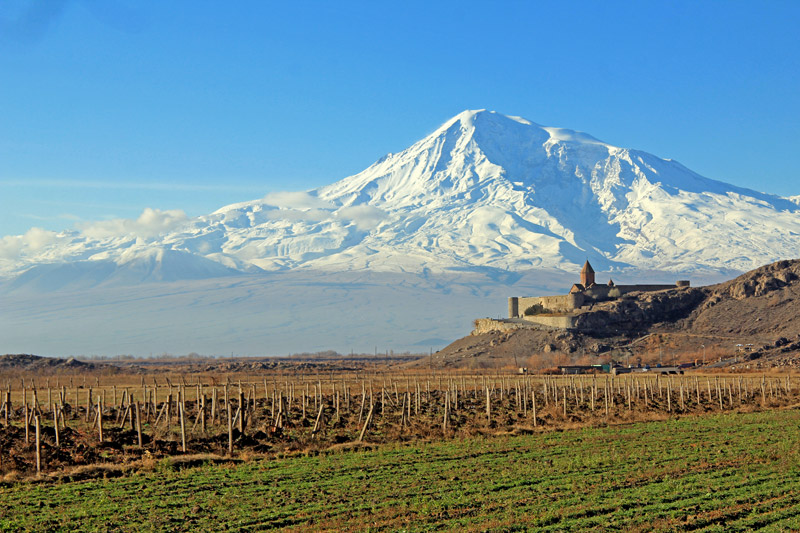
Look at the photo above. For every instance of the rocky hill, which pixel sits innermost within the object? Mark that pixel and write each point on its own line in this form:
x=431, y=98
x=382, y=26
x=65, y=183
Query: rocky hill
x=754, y=320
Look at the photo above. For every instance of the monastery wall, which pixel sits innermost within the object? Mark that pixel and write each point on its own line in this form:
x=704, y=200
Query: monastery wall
x=556, y=304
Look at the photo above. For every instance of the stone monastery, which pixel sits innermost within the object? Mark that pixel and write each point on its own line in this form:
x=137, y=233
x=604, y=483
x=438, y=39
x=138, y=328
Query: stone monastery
x=581, y=297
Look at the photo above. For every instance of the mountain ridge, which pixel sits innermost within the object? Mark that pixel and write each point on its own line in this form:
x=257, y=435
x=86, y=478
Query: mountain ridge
x=483, y=191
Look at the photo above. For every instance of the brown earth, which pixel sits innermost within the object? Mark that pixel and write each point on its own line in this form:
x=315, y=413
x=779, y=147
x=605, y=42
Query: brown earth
x=32, y=366
x=752, y=321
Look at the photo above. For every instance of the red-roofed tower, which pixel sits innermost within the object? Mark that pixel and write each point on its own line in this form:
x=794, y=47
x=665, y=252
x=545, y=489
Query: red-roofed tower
x=587, y=275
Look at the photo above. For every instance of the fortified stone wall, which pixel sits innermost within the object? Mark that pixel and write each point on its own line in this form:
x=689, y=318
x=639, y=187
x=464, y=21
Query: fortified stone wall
x=646, y=288
x=563, y=322
x=570, y=302
x=488, y=325
x=557, y=304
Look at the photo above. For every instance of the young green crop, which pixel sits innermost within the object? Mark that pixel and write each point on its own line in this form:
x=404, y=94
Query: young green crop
x=731, y=472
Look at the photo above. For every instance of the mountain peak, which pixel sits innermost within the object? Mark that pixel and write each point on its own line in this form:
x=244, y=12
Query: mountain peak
x=471, y=118
x=506, y=139
x=484, y=191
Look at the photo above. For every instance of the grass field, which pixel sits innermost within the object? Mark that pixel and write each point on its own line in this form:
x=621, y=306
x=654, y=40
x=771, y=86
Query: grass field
x=737, y=471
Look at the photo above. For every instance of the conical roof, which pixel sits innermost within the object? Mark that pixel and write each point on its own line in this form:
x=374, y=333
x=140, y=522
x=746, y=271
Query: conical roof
x=587, y=268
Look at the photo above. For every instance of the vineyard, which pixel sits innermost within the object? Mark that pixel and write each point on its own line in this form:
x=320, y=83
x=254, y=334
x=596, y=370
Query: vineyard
x=61, y=426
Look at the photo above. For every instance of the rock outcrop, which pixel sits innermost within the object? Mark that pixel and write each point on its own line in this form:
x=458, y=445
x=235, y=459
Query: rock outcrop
x=753, y=319
x=637, y=311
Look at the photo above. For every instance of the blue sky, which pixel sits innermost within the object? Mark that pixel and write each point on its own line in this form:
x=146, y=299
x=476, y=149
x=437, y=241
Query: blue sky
x=108, y=107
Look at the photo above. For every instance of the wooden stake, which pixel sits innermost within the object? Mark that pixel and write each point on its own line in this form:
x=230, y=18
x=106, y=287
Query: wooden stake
x=138, y=424
x=230, y=428
x=203, y=414
x=446, y=413
x=669, y=398
x=169, y=410
x=366, y=423
x=8, y=406
x=55, y=426
x=213, y=405
x=125, y=415
x=241, y=412
x=100, y=421
x=319, y=421
x=38, y=444
x=183, y=425
x=488, y=407
x=628, y=392
x=160, y=414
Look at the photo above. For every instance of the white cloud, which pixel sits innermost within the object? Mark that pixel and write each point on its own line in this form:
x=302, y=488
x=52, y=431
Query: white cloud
x=150, y=223
x=365, y=217
x=305, y=207
x=10, y=246
x=37, y=238
x=296, y=200
x=34, y=240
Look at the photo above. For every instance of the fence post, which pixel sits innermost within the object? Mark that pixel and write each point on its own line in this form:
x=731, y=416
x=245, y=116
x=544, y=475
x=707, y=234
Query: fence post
x=138, y=424
x=25, y=421
x=181, y=412
x=230, y=427
x=100, y=421
x=446, y=412
x=366, y=422
x=488, y=407
x=38, y=443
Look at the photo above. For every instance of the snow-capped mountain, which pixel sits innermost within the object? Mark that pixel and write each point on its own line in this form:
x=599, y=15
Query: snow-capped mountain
x=485, y=207
x=483, y=191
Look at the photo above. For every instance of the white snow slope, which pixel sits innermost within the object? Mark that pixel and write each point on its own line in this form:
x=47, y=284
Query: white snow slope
x=402, y=255
x=483, y=190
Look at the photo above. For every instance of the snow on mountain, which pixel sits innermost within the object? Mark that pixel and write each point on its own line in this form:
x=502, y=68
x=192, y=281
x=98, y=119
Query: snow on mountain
x=484, y=192
x=485, y=207
x=500, y=191
x=133, y=266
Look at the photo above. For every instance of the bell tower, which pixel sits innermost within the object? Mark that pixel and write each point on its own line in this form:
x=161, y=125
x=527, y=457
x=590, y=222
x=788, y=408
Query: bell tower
x=587, y=275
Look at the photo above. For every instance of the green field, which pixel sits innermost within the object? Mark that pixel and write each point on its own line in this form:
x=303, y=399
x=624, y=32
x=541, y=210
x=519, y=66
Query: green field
x=723, y=472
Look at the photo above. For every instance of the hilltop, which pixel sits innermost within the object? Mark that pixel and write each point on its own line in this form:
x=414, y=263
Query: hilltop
x=756, y=315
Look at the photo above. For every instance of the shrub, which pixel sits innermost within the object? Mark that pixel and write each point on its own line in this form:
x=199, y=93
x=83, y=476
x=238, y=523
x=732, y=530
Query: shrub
x=537, y=309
